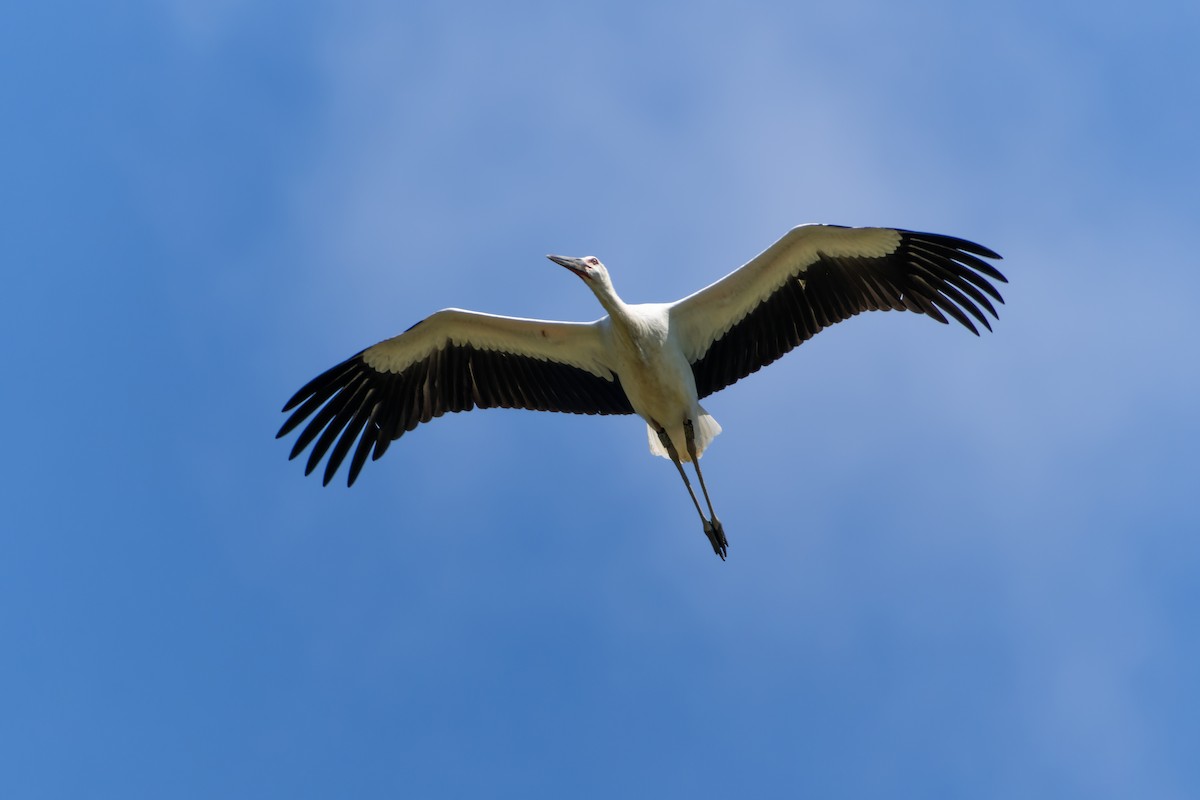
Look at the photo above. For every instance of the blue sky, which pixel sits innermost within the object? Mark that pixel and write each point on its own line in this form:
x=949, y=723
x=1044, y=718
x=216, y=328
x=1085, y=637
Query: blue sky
x=958, y=566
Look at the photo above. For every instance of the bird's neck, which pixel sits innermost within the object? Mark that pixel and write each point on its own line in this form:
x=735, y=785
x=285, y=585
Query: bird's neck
x=611, y=301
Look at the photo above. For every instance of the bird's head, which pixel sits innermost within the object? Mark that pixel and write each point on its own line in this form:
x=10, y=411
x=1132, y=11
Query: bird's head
x=588, y=268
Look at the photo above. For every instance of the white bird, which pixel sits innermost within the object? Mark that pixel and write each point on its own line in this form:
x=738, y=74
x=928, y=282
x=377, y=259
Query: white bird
x=656, y=360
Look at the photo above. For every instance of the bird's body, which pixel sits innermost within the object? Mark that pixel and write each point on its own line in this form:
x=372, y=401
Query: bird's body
x=655, y=374
x=653, y=359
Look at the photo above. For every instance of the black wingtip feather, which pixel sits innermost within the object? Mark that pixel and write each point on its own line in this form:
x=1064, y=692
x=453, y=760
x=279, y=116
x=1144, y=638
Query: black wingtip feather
x=329, y=377
x=953, y=243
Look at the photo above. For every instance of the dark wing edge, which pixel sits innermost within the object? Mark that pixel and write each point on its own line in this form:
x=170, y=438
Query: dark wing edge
x=927, y=273
x=355, y=406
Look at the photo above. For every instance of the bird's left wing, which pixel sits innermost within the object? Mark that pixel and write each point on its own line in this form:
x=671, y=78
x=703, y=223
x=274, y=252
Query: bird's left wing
x=451, y=361
x=818, y=275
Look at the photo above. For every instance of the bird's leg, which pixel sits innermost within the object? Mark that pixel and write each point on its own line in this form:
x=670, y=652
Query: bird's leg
x=717, y=533
x=718, y=542
x=674, y=454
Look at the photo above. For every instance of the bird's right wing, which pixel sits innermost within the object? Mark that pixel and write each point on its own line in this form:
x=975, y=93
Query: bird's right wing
x=451, y=361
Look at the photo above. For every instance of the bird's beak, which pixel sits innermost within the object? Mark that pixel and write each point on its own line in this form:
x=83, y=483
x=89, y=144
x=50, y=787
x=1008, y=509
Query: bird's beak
x=573, y=264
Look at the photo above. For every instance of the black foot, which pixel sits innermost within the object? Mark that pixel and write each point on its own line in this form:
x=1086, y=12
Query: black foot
x=716, y=537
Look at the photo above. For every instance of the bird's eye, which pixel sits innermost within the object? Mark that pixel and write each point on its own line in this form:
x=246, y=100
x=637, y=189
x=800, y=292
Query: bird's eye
x=594, y=261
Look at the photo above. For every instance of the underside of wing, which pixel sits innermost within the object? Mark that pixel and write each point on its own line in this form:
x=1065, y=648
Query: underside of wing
x=819, y=275
x=452, y=361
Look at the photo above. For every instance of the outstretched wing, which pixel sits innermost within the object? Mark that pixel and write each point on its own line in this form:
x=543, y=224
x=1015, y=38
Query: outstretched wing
x=451, y=361
x=818, y=275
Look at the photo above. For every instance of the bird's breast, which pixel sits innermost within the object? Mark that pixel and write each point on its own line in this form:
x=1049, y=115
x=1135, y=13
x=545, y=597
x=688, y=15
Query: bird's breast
x=654, y=372
x=658, y=381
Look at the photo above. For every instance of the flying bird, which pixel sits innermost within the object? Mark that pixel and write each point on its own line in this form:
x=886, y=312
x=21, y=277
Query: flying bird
x=656, y=360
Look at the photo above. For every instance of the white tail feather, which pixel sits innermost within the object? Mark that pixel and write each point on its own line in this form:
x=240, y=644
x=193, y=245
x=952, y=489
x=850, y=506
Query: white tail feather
x=706, y=429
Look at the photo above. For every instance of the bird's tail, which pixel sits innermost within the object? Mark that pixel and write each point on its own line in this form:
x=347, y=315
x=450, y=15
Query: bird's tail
x=706, y=429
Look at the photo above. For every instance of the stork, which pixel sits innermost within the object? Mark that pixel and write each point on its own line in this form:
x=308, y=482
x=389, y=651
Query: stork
x=656, y=360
